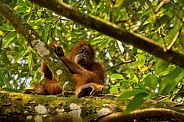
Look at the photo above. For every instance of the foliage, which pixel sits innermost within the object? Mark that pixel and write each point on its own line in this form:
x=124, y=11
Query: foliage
x=144, y=77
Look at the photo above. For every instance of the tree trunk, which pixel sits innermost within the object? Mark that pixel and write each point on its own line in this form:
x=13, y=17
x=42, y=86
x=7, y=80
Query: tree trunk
x=57, y=67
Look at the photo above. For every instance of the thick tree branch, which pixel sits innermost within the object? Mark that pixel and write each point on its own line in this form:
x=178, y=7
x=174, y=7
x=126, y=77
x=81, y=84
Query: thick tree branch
x=112, y=30
x=26, y=108
x=25, y=30
x=140, y=115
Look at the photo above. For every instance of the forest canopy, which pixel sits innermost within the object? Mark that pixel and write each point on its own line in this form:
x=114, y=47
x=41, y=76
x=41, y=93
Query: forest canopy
x=148, y=28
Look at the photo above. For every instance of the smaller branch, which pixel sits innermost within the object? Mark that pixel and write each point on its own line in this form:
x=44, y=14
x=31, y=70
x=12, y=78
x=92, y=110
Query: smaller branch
x=175, y=37
x=120, y=21
x=125, y=62
x=173, y=41
x=79, y=4
x=161, y=4
x=163, y=98
x=177, y=92
x=39, y=11
x=53, y=24
x=181, y=19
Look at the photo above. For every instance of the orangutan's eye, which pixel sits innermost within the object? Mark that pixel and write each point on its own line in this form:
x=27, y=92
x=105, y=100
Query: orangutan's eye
x=81, y=50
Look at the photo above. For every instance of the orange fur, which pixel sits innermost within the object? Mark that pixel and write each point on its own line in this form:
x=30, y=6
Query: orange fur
x=91, y=73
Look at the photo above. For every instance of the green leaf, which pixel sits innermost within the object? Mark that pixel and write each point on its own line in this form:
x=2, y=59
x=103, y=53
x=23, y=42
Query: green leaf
x=54, y=32
x=136, y=102
x=114, y=88
x=21, y=54
x=129, y=94
x=116, y=76
x=28, y=10
x=166, y=17
x=151, y=81
x=96, y=40
x=7, y=27
x=38, y=76
x=1, y=78
x=141, y=57
x=30, y=60
x=111, y=50
x=45, y=32
x=124, y=3
x=176, y=28
x=161, y=66
x=137, y=63
x=20, y=9
x=142, y=86
x=104, y=44
x=129, y=72
x=171, y=80
x=21, y=3
x=37, y=23
x=1, y=43
x=9, y=37
x=146, y=12
x=5, y=59
x=94, y=2
x=135, y=79
x=27, y=16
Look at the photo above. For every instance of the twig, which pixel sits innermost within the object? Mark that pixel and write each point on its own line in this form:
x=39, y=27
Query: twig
x=173, y=41
x=161, y=4
x=125, y=62
x=175, y=37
